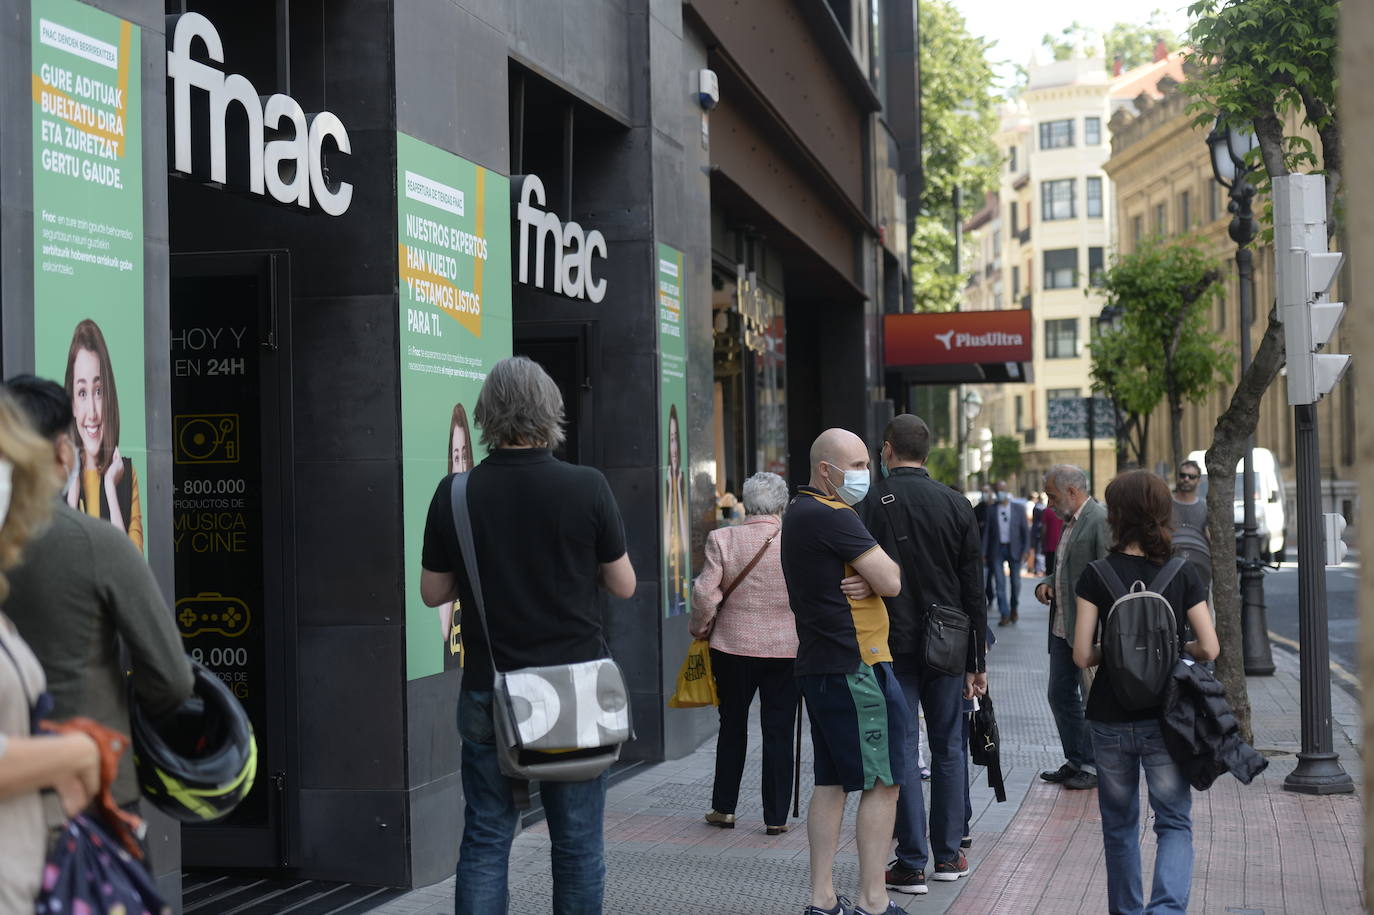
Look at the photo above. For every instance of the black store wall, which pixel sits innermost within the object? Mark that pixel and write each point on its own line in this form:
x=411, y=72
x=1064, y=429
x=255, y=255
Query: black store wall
x=344, y=549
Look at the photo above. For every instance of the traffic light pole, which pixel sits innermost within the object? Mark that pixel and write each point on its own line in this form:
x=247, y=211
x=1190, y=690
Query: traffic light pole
x=1319, y=768
x=1306, y=271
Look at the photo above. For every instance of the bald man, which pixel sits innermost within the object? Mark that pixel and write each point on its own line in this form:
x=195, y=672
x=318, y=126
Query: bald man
x=844, y=669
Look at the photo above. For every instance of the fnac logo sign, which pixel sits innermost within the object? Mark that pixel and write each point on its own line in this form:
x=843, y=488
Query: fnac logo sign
x=290, y=168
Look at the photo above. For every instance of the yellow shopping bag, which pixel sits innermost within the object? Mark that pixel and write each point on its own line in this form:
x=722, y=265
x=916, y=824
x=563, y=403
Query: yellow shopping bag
x=696, y=687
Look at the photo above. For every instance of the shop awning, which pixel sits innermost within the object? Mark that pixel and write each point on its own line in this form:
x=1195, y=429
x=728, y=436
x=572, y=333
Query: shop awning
x=959, y=346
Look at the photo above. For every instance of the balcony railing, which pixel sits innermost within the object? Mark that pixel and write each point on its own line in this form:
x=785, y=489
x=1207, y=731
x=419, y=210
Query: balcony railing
x=1023, y=237
x=1030, y=435
x=1026, y=302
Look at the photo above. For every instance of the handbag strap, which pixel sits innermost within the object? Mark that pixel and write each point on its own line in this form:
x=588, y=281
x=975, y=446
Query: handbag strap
x=462, y=523
x=749, y=568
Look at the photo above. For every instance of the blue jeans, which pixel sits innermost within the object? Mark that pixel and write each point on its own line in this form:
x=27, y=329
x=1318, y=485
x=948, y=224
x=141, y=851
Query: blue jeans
x=1066, y=697
x=574, y=811
x=1000, y=575
x=1122, y=749
x=940, y=697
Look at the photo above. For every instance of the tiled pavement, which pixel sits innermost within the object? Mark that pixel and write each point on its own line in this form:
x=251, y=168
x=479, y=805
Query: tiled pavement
x=1260, y=850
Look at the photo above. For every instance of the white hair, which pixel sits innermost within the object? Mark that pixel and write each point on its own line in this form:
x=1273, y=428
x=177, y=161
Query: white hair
x=765, y=494
x=1063, y=476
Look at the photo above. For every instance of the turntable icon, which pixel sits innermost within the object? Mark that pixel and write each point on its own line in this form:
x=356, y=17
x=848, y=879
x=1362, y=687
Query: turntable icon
x=207, y=438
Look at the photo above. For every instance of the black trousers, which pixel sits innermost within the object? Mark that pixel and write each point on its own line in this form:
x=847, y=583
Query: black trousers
x=737, y=679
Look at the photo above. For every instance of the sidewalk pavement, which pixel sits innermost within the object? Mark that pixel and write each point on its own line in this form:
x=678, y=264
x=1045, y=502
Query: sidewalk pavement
x=1258, y=850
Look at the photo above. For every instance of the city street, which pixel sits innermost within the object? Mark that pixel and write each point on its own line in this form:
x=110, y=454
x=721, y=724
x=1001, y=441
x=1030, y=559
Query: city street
x=1281, y=604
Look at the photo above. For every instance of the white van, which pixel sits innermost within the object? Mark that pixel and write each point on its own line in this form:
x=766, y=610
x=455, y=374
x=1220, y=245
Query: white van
x=1269, y=502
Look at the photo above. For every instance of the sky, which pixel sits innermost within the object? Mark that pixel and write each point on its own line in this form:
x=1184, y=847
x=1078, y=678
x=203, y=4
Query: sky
x=1018, y=25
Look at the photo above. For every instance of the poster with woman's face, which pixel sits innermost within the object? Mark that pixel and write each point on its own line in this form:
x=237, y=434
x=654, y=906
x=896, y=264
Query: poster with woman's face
x=107, y=482
x=459, y=461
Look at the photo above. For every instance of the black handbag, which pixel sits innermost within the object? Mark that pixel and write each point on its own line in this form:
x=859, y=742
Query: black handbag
x=946, y=636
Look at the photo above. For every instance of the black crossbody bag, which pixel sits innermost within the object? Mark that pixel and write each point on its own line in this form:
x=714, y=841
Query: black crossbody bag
x=946, y=631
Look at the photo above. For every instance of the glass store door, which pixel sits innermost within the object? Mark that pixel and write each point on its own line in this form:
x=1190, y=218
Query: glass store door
x=229, y=382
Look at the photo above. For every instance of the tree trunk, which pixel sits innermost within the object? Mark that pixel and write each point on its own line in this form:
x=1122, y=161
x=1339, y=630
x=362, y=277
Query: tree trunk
x=1234, y=428
x=1176, y=428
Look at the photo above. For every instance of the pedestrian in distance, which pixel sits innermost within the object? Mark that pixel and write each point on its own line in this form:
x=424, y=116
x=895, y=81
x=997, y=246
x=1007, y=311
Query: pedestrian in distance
x=1125, y=738
x=1191, y=538
x=1004, y=548
x=1037, y=533
x=844, y=669
x=548, y=539
x=83, y=591
x=1084, y=540
x=739, y=602
x=66, y=765
x=932, y=533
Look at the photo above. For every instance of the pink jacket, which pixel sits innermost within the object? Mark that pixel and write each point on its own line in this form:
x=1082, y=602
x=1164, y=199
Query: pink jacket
x=757, y=620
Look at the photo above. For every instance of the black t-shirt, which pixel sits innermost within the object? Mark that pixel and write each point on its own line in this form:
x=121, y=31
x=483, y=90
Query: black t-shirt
x=1184, y=592
x=541, y=529
x=820, y=538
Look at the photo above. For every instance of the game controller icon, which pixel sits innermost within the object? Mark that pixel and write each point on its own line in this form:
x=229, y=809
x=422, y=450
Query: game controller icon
x=213, y=613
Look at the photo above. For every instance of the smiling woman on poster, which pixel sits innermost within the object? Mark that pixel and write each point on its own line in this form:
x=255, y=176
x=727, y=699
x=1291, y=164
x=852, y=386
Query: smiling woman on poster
x=675, y=536
x=108, y=486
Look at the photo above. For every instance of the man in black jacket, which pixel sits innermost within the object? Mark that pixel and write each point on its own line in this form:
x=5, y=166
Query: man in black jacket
x=931, y=531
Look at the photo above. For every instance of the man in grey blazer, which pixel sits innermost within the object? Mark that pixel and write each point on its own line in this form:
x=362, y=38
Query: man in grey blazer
x=1084, y=540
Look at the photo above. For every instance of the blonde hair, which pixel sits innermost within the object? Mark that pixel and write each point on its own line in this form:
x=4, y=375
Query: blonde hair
x=33, y=486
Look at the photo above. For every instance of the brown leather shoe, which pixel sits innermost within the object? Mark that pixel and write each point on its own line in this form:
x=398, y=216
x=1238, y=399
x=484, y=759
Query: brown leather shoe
x=776, y=830
x=723, y=820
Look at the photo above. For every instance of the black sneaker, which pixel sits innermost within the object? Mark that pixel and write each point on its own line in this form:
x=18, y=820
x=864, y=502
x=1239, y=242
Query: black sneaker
x=1080, y=781
x=966, y=842
x=904, y=879
x=1062, y=774
x=892, y=909
x=950, y=871
x=842, y=907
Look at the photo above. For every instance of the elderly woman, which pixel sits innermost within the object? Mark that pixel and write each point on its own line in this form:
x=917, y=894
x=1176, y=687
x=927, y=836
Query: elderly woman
x=740, y=601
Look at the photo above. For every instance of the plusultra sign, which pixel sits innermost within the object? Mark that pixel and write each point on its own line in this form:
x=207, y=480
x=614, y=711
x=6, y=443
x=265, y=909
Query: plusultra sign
x=290, y=168
x=573, y=249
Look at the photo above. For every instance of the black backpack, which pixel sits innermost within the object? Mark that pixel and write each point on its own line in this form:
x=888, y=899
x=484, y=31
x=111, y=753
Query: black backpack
x=1139, y=636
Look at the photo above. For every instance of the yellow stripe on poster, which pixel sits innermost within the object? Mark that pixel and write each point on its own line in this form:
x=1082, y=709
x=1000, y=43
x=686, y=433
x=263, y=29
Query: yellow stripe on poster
x=434, y=289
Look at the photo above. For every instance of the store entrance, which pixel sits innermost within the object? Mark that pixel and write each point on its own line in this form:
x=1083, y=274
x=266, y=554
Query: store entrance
x=566, y=352
x=230, y=505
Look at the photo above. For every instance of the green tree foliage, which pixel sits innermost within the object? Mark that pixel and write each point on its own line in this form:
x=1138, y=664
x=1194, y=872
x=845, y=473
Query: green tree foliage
x=943, y=464
x=1006, y=457
x=1162, y=349
x=1134, y=393
x=1132, y=42
x=958, y=120
x=1260, y=62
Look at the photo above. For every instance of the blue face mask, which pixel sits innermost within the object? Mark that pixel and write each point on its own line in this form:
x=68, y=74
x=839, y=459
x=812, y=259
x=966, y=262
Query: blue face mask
x=854, y=487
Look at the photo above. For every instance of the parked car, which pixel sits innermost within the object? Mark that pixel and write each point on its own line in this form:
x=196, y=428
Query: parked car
x=1270, y=517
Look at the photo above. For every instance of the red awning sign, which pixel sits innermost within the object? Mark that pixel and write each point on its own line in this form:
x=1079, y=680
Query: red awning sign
x=959, y=337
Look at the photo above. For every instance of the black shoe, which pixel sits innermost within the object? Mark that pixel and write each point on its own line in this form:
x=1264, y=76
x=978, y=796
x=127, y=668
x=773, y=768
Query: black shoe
x=966, y=842
x=1060, y=775
x=1080, y=781
x=906, y=880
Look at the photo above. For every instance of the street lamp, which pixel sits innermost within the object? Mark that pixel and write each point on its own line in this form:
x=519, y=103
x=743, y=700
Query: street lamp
x=969, y=406
x=1109, y=322
x=1229, y=146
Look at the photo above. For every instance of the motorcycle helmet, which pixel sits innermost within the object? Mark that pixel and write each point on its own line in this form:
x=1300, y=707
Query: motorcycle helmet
x=197, y=763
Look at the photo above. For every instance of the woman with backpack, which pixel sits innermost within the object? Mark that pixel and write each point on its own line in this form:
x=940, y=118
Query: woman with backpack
x=1125, y=727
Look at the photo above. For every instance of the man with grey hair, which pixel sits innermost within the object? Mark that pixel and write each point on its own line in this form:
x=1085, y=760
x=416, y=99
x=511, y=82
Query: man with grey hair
x=1085, y=539
x=548, y=538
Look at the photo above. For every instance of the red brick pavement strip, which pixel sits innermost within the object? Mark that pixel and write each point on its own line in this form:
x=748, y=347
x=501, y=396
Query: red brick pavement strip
x=1256, y=847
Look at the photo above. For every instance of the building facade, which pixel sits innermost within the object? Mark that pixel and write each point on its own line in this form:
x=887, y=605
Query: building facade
x=1165, y=187
x=307, y=229
x=1055, y=227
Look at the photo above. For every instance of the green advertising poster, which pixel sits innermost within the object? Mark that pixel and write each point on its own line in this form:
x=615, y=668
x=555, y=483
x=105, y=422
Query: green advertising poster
x=672, y=406
x=88, y=245
x=455, y=323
